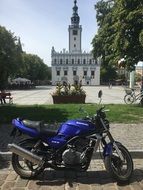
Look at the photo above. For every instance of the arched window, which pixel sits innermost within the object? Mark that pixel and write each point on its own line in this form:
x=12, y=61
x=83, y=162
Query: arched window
x=84, y=61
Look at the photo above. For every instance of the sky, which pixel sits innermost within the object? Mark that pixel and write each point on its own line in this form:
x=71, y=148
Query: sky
x=41, y=24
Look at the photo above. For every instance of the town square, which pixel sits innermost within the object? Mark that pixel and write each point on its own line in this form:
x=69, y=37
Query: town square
x=71, y=95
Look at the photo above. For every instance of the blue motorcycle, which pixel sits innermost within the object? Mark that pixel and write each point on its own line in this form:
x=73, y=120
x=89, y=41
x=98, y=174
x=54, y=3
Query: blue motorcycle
x=70, y=146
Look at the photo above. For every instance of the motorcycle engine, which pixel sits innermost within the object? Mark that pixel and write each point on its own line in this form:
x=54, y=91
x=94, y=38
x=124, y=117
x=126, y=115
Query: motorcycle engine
x=75, y=153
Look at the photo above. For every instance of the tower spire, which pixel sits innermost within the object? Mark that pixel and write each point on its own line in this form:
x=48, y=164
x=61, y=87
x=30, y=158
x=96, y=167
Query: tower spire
x=75, y=18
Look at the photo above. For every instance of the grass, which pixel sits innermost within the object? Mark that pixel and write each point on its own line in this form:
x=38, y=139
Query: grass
x=59, y=113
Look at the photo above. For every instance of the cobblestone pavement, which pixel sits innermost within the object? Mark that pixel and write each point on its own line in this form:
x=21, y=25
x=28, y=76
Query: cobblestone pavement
x=96, y=178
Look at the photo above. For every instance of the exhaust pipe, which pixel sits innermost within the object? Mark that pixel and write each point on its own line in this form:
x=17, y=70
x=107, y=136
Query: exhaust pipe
x=25, y=154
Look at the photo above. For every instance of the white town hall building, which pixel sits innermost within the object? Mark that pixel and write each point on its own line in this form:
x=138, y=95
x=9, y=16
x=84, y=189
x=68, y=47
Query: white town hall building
x=74, y=66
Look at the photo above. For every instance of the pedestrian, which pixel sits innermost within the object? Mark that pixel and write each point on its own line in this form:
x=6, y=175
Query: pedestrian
x=110, y=84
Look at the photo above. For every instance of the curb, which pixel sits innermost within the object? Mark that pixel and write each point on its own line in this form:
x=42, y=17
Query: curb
x=136, y=154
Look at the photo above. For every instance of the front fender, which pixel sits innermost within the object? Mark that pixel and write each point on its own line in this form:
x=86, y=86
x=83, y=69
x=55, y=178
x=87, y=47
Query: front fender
x=108, y=149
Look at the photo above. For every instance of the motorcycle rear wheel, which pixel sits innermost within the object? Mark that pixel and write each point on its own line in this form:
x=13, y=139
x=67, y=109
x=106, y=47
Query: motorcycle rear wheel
x=23, y=167
x=118, y=169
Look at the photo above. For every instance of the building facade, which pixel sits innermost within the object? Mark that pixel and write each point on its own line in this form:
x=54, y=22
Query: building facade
x=75, y=66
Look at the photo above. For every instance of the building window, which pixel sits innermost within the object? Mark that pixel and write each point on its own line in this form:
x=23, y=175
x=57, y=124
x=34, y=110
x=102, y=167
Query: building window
x=72, y=61
x=92, y=74
x=55, y=61
x=90, y=61
x=84, y=61
x=74, y=45
x=65, y=73
x=74, y=73
x=58, y=73
x=74, y=38
x=61, y=61
x=78, y=61
x=66, y=61
x=74, y=32
x=85, y=73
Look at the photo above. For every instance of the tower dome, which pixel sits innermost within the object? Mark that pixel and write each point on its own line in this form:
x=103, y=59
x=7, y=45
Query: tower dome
x=75, y=17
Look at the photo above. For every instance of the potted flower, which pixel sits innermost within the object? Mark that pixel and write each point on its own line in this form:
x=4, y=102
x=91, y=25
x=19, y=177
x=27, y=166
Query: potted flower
x=67, y=93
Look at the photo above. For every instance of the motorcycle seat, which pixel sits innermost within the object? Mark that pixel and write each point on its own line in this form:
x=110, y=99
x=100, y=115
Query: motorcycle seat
x=42, y=128
x=48, y=130
x=32, y=124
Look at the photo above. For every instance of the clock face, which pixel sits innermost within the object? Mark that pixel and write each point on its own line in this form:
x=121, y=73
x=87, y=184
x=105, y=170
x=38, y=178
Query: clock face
x=74, y=32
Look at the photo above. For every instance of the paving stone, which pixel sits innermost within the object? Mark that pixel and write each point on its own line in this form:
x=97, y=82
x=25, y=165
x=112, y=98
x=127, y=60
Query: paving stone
x=32, y=185
x=45, y=188
x=21, y=182
x=136, y=186
x=1, y=182
x=60, y=187
x=8, y=185
x=18, y=188
x=12, y=176
x=3, y=176
x=109, y=186
x=83, y=187
x=96, y=187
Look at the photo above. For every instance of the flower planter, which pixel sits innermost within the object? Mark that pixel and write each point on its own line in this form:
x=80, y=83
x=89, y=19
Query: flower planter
x=69, y=99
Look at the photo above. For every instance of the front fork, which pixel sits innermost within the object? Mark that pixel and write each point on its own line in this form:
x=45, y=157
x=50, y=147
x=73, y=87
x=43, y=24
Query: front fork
x=108, y=148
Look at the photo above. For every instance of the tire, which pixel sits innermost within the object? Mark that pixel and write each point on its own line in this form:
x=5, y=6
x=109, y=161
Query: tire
x=115, y=166
x=23, y=167
x=128, y=99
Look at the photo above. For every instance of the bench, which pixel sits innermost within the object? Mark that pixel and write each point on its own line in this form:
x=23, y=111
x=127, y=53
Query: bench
x=6, y=95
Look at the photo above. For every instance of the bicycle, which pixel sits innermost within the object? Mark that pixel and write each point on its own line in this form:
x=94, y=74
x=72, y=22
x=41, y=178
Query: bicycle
x=131, y=97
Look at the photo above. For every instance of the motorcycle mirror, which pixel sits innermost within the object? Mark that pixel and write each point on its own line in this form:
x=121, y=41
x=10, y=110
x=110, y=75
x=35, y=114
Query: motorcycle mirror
x=100, y=94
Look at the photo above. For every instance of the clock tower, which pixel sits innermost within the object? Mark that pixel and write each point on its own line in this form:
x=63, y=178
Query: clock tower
x=75, y=31
x=75, y=65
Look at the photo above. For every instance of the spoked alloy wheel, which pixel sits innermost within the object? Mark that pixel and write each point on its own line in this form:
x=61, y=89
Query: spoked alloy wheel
x=128, y=99
x=23, y=167
x=120, y=170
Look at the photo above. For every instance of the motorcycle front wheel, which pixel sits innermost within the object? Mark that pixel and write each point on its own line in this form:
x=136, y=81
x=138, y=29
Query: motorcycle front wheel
x=23, y=167
x=119, y=169
x=129, y=99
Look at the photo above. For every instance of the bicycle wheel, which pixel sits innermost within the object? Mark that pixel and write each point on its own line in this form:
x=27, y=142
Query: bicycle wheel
x=129, y=99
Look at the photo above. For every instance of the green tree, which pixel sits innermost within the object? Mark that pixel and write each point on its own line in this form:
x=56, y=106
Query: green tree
x=120, y=33
x=34, y=68
x=103, y=40
x=128, y=31
x=9, y=54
